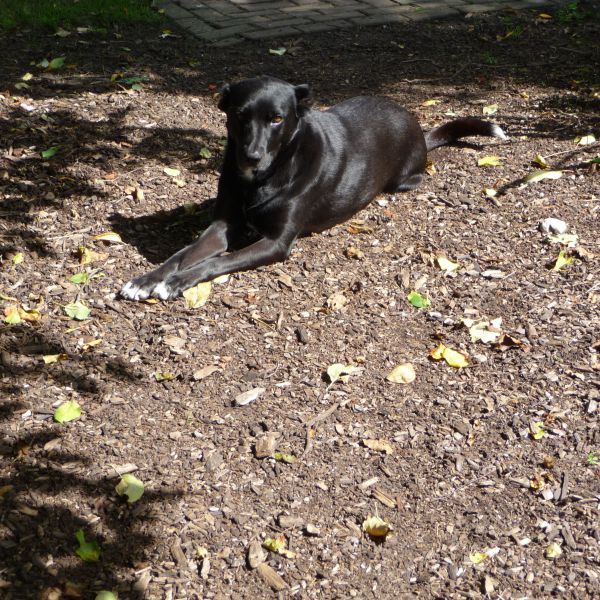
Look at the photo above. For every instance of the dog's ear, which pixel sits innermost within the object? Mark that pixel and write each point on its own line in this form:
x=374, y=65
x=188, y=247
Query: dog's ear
x=224, y=99
x=303, y=99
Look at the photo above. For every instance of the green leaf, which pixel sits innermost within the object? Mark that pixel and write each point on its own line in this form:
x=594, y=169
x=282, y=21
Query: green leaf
x=80, y=278
x=131, y=487
x=137, y=87
x=286, y=458
x=592, y=458
x=21, y=86
x=87, y=551
x=278, y=51
x=133, y=79
x=27, y=77
x=596, y=160
x=67, y=411
x=77, y=310
x=43, y=63
x=104, y=595
x=417, y=300
x=164, y=376
x=205, y=153
x=56, y=63
x=18, y=258
x=536, y=176
x=171, y=172
x=585, y=140
x=50, y=152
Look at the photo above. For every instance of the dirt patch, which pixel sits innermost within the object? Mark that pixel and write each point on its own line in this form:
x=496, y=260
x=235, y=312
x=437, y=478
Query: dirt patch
x=464, y=475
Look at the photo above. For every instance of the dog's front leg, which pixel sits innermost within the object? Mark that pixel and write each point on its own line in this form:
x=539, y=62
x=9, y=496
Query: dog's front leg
x=263, y=252
x=212, y=242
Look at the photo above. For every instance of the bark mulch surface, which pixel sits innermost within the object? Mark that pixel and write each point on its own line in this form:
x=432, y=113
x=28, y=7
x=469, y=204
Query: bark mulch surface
x=484, y=472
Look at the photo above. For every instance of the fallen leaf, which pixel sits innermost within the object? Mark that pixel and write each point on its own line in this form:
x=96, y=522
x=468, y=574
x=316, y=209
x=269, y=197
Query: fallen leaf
x=553, y=551
x=489, y=161
x=431, y=102
x=585, y=140
x=452, y=357
x=278, y=545
x=278, y=51
x=376, y=528
x=205, y=153
x=87, y=256
x=569, y=240
x=336, y=301
x=105, y=595
x=477, y=557
x=198, y=295
x=536, y=176
x=27, y=77
x=87, y=551
x=11, y=315
x=379, y=446
x=353, y=252
x=18, y=258
x=484, y=331
x=172, y=172
x=77, y=310
x=562, y=261
x=79, y=278
x=131, y=487
x=340, y=371
x=108, y=236
x=56, y=63
x=50, y=359
x=50, y=152
x=403, y=373
x=67, y=411
x=164, y=376
x=283, y=457
x=417, y=300
x=490, y=109
x=545, y=16
x=537, y=430
x=430, y=168
x=541, y=161
x=445, y=264
x=493, y=274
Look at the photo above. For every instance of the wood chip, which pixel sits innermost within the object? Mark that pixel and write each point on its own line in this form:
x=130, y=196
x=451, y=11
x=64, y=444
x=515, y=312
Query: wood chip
x=205, y=569
x=271, y=578
x=312, y=530
x=265, y=445
x=290, y=522
x=256, y=554
x=204, y=372
x=248, y=397
x=383, y=498
x=178, y=555
x=367, y=483
x=124, y=469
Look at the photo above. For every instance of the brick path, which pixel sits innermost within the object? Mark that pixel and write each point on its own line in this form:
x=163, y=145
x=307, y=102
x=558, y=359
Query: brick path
x=225, y=22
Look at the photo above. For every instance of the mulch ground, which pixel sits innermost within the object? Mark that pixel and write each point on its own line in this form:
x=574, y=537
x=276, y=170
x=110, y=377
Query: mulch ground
x=476, y=503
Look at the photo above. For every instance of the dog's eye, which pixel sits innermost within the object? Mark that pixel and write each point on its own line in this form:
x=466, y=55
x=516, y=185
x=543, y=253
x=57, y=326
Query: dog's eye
x=276, y=120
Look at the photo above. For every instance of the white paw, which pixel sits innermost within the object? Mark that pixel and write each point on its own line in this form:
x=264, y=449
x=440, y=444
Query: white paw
x=162, y=291
x=131, y=291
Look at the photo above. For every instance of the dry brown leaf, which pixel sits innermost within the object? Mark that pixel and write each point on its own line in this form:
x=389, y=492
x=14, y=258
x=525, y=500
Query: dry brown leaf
x=379, y=445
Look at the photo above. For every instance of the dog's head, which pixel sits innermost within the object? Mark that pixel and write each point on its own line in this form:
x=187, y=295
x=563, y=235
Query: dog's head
x=262, y=116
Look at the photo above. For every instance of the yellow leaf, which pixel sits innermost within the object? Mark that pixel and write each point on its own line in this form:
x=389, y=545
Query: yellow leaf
x=340, y=371
x=432, y=102
x=562, y=261
x=537, y=430
x=430, y=168
x=379, y=446
x=221, y=279
x=477, y=557
x=278, y=546
x=445, y=264
x=91, y=344
x=541, y=161
x=490, y=109
x=18, y=258
x=53, y=358
x=198, y=295
x=108, y=236
x=87, y=256
x=11, y=315
x=336, y=301
x=452, y=357
x=171, y=172
x=403, y=373
x=27, y=77
x=31, y=315
x=164, y=376
x=545, y=16
x=489, y=161
x=553, y=550
x=376, y=527
x=536, y=176
x=490, y=192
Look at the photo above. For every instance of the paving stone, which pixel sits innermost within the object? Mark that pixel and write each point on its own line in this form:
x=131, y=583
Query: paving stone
x=228, y=22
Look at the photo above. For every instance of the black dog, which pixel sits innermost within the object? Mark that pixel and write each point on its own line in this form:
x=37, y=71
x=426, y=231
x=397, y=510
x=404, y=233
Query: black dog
x=290, y=171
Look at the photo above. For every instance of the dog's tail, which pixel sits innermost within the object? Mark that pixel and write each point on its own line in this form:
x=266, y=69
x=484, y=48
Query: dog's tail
x=460, y=128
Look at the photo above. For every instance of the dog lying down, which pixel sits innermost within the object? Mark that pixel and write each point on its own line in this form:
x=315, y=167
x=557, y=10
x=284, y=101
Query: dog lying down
x=290, y=171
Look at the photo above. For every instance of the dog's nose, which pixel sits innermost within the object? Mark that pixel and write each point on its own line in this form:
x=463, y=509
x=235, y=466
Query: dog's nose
x=253, y=156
